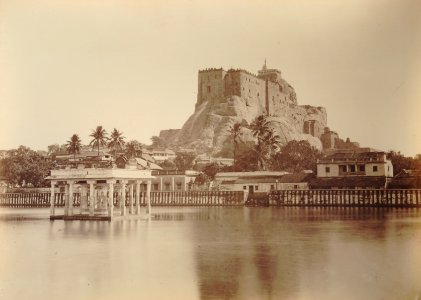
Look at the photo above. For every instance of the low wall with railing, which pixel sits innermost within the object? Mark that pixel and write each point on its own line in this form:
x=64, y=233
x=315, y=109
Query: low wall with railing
x=366, y=198
x=186, y=198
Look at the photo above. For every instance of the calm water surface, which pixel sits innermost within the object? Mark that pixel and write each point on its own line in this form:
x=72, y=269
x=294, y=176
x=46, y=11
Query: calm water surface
x=214, y=253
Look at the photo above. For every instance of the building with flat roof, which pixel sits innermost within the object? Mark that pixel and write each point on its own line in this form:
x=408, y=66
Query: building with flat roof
x=353, y=169
x=97, y=187
x=262, y=181
x=173, y=180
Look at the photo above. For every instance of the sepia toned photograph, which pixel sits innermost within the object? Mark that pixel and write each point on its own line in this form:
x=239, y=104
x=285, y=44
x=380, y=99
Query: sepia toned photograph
x=198, y=149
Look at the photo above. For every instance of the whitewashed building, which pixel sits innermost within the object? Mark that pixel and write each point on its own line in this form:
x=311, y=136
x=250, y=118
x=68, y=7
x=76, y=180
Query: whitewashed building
x=162, y=155
x=353, y=169
x=173, y=180
x=262, y=181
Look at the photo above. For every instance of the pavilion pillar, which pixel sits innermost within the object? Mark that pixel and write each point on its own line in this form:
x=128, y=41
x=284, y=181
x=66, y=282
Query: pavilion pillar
x=138, y=197
x=111, y=197
x=66, y=199
x=70, y=197
x=91, y=197
x=83, y=199
x=148, y=196
x=52, y=198
x=131, y=199
x=123, y=197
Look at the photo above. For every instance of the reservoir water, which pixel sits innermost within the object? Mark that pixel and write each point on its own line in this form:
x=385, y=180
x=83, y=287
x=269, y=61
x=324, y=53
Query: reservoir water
x=214, y=253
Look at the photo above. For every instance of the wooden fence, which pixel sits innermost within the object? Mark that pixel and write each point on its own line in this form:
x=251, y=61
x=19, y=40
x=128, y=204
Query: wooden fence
x=363, y=198
x=187, y=198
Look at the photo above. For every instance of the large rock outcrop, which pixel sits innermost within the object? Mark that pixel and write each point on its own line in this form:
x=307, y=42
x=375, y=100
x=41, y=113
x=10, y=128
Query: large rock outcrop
x=226, y=97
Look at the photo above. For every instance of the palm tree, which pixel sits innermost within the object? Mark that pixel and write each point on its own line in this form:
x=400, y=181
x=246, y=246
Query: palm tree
x=235, y=131
x=116, y=141
x=272, y=141
x=260, y=127
x=73, y=145
x=267, y=140
x=133, y=148
x=99, y=138
x=270, y=144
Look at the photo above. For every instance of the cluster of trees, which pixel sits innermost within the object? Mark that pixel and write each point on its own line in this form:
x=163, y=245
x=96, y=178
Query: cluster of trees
x=25, y=167
x=115, y=143
x=267, y=153
x=401, y=162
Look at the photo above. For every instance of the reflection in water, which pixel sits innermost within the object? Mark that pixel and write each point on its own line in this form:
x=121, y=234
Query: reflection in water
x=214, y=253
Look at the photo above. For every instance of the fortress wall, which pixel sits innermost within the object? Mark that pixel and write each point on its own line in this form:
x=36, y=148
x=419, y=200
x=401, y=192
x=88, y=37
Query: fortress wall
x=232, y=83
x=277, y=98
x=253, y=89
x=210, y=85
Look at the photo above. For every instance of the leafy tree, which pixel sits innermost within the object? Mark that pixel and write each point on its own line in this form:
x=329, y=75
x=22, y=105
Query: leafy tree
x=211, y=170
x=133, y=149
x=167, y=165
x=246, y=158
x=99, y=138
x=184, y=160
x=116, y=141
x=417, y=159
x=24, y=166
x=157, y=142
x=400, y=162
x=201, y=179
x=296, y=156
x=54, y=149
x=235, y=132
x=74, y=144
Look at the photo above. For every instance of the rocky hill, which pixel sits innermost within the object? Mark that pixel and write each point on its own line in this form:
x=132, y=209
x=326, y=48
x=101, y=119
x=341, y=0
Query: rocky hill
x=226, y=97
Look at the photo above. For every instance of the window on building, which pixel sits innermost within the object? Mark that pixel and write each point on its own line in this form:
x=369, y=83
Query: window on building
x=256, y=187
x=155, y=186
x=342, y=168
x=375, y=168
x=361, y=168
x=178, y=186
x=295, y=186
x=351, y=168
x=272, y=187
x=327, y=169
x=209, y=88
x=244, y=187
x=167, y=187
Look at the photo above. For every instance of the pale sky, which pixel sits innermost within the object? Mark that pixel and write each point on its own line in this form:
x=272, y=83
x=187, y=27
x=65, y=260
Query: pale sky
x=68, y=66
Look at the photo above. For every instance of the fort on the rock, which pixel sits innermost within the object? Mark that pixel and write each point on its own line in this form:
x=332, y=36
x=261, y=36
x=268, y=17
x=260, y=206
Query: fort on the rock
x=236, y=95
